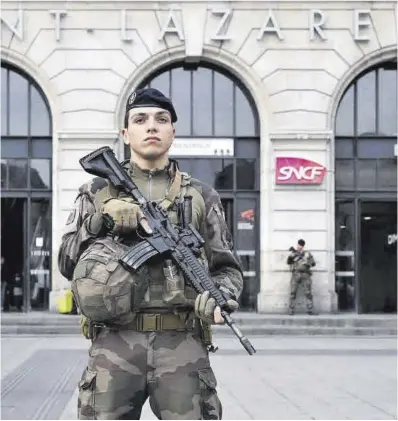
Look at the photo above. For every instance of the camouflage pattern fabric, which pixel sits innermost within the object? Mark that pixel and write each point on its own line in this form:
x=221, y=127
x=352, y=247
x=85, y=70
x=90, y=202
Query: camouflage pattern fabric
x=172, y=368
x=296, y=279
x=103, y=289
x=127, y=367
x=208, y=219
x=301, y=264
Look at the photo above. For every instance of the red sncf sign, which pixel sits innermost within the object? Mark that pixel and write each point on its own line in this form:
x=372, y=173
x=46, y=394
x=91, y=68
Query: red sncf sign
x=290, y=170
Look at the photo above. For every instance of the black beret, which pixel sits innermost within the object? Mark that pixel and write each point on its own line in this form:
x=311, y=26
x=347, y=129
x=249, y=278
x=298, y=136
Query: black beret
x=150, y=97
x=301, y=242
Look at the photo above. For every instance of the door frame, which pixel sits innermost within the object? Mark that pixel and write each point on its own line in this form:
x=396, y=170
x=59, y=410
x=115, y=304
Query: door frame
x=27, y=198
x=357, y=200
x=355, y=247
x=256, y=198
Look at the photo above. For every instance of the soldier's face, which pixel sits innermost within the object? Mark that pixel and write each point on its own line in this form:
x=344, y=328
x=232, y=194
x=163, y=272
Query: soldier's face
x=150, y=132
x=299, y=247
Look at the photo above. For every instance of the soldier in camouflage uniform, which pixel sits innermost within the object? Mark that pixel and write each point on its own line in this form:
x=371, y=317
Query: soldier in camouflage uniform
x=161, y=350
x=301, y=261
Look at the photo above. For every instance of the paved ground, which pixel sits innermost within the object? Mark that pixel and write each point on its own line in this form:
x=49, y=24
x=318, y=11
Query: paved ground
x=289, y=378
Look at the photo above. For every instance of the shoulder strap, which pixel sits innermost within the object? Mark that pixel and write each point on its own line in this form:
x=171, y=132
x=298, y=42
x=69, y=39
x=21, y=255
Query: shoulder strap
x=185, y=183
x=173, y=192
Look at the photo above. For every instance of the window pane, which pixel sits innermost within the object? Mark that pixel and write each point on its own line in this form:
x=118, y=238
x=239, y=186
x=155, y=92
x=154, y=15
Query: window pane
x=18, y=105
x=344, y=174
x=15, y=148
x=17, y=173
x=224, y=178
x=366, y=174
x=3, y=101
x=39, y=115
x=217, y=173
x=345, y=231
x=181, y=96
x=345, y=114
x=387, y=106
x=344, y=148
x=202, y=104
x=366, y=104
x=247, y=148
x=376, y=148
x=40, y=173
x=41, y=148
x=387, y=174
x=246, y=174
x=223, y=105
x=3, y=173
x=245, y=122
x=162, y=83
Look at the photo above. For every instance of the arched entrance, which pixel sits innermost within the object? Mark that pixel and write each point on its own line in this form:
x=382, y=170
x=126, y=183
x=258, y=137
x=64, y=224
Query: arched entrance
x=218, y=142
x=26, y=183
x=366, y=192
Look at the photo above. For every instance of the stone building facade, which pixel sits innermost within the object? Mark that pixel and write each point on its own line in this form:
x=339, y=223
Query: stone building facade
x=292, y=61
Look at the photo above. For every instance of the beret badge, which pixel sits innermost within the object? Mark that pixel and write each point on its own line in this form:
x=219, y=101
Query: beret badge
x=132, y=98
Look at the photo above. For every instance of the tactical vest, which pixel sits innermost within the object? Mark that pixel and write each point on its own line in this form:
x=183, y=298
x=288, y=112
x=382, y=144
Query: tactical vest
x=302, y=265
x=163, y=286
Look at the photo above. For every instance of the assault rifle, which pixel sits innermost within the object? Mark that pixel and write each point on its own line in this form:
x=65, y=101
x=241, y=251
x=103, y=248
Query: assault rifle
x=182, y=245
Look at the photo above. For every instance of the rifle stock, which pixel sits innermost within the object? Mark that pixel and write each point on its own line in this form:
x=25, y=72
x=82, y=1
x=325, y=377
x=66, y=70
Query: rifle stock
x=182, y=245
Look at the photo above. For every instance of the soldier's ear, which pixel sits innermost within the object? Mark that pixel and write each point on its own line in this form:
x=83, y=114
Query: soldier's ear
x=125, y=135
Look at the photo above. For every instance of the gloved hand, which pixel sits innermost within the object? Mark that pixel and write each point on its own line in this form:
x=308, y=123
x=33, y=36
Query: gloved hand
x=100, y=224
x=206, y=309
x=126, y=215
x=84, y=327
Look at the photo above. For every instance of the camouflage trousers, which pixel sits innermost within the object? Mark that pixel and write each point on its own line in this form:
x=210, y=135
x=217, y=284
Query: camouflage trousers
x=296, y=279
x=126, y=367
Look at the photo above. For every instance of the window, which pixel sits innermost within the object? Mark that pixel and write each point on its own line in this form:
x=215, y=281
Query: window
x=26, y=139
x=366, y=132
x=208, y=102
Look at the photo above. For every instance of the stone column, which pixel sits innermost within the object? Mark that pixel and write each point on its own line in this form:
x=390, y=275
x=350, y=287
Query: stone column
x=68, y=177
x=300, y=211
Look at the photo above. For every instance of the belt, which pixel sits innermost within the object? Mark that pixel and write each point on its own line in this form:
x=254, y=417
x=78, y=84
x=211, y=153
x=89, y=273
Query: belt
x=147, y=322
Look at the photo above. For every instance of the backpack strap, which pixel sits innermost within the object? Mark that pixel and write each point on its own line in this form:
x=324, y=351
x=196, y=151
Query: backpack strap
x=173, y=192
x=185, y=183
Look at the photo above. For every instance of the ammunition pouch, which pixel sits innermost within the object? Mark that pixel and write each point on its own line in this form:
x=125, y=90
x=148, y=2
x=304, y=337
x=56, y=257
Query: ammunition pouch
x=301, y=266
x=104, y=290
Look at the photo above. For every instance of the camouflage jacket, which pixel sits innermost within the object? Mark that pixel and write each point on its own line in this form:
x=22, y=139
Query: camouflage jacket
x=301, y=262
x=208, y=219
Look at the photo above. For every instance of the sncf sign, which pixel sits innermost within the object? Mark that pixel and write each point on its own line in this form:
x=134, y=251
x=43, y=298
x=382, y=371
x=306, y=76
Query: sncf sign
x=291, y=170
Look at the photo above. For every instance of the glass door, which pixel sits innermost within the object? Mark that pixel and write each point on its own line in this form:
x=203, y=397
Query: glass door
x=13, y=253
x=40, y=256
x=246, y=244
x=345, y=283
x=378, y=257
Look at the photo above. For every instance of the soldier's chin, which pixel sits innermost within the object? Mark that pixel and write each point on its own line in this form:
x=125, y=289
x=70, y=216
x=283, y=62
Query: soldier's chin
x=152, y=155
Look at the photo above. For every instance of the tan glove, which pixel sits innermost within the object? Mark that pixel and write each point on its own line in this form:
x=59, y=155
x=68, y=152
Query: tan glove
x=84, y=327
x=206, y=309
x=126, y=215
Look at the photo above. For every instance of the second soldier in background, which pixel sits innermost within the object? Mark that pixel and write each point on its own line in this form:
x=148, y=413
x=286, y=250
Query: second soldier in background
x=301, y=261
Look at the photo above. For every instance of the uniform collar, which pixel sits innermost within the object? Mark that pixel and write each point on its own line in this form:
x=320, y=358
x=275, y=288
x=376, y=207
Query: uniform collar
x=170, y=169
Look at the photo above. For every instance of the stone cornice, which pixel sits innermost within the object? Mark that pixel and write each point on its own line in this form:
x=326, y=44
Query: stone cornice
x=89, y=136
x=301, y=135
x=261, y=3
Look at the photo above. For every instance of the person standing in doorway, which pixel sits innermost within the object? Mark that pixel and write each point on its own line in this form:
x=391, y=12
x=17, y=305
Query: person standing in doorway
x=300, y=261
